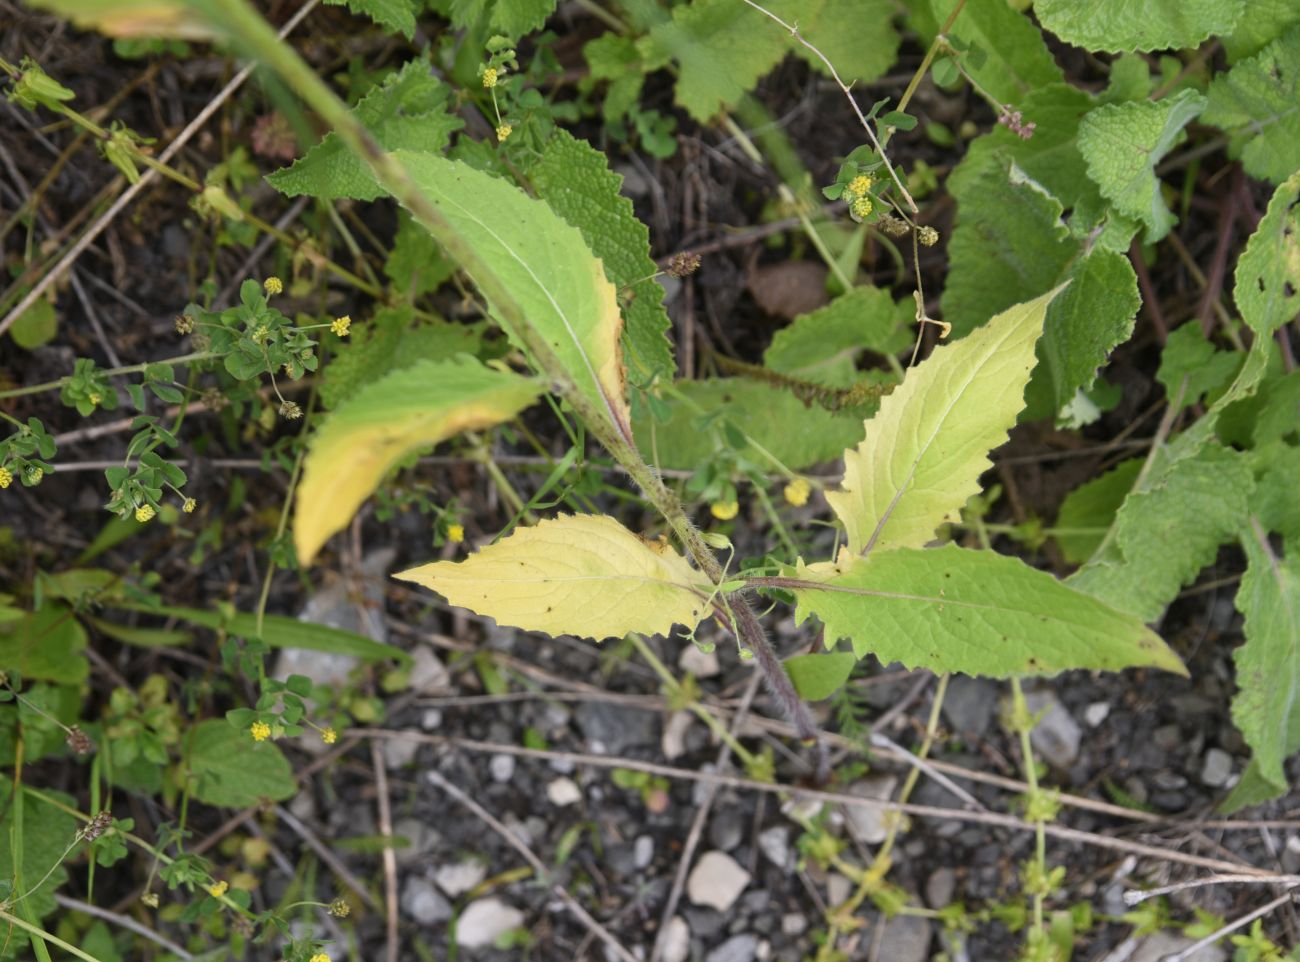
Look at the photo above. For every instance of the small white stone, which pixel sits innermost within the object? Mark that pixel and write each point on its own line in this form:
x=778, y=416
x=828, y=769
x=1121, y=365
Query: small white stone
x=716, y=881
x=431, y=719
x=869, y=823
x=838, y=889
x=502, y=768
x=1217, y=768
x=484, y=921
x=563, y=791
x=775, y=845
x=643, y=851
x=399, y=752
x=427, y=674
x=673, y=740
x=793, y=924
x=677, y=940
x=1057, y=735
x=698, y=663
x=459, y=878
x=1096, y=713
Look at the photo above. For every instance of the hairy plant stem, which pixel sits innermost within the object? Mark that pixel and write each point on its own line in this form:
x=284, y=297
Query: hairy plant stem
x=246, y=26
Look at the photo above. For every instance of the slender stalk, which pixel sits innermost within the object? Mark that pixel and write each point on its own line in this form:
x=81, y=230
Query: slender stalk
x=40, y=937
x=111, y=372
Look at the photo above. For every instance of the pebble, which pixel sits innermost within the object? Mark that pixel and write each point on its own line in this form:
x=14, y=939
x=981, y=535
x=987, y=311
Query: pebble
x=502, y=767
x=738, y=948
x=431, y=719
x=423, y=903
x=838, y=889
x=725, y=830
x=422, y=838
x=698, y=663
x=1096, y=713
x=1057, y=735
x=643, y=852
x=677, y=940
x=1217, y=768
x=906, y=939
x=793, y=924
x=673, y=740
x=1158, y=945
x=563, y=791
x=398, y=751
x=869, y=823
x=939, y=887
x=615, y=728
x=716, y=881
x=427, y=674
x=484, y=921
x=968, y=705
x=1167, y=737
x=774, y=843
x=459, y=878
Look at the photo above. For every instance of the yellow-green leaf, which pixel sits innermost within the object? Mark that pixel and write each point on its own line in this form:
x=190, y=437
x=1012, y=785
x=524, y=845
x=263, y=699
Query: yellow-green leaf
x=365, y=436
x=133, y=18
x=582, y=575
x=928, y=444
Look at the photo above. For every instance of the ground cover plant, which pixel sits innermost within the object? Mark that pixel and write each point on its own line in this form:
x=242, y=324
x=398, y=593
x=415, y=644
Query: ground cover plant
x=415, y=308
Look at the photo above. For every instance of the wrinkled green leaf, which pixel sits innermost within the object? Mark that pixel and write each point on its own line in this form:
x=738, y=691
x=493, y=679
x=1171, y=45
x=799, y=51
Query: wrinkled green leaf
x=1089, y=510
x=396, y=15
x=1116, y=26
x=1258, y=103
x=823, y=345
x=1267, y=280
x=227, y=768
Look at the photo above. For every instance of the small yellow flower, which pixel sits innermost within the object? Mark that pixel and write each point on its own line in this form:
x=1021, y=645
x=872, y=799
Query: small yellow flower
x=341, y=325
x=189, y=505
x=504, y=131
x=273, y=285
x=859, y=186
x=150, y=899
x=260, y=731
x=145, y=513
x=797, y=491
x=261, y=334
x=340, y=909
x=34, y=474
x=489, y=78
x=724, y=510
x=320, y=957
x=329, y=736
x=95, y=397
x=6, y=477
x=861, y=207
x=218, y=889
x=455, y=533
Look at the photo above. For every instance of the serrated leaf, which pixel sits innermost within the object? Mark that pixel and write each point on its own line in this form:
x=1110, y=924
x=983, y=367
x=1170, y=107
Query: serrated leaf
x=1267, y=279
x=1267, y=706
x=46, y=645
x=1268, y=20
x=1258, y=103
x=409, y=110
x=513, y=18
x=416, y=265
x=396, y=15
x=575, y=181
x=582, y=575
x=976, y=612
x=1190, y=358
x=368, y=434
x=1117, y=26
x=529, y=263
x=1123, y=143
x=1273, y=501
x=927, y=446
x=228, y=768
x=1193, y=499
x=798, y=435
x=617, y=60
x=823, y=345
x=1007, y=55
x=1088, y=511
x=820, y=675
x=857, y=36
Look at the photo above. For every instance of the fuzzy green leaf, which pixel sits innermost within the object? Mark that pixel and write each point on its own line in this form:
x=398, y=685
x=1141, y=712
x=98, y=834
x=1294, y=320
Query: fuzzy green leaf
x=1258, y=103
x=1268, y=20
x=46, y=834
x=1123, y=143
x=1267, y=281
x=513, y=18
x=823, y=346
x=976, y=612
x=1117, y=26
x=927, y=446
x=1089, y=510
x=396, y=15
x=47, y=645
x=1273, y=502
x=1008, y=57
x=231, y=770
x=1189, y=354
x=416, y=264
x=819, y=676
x=575, y=181
x=409, y=110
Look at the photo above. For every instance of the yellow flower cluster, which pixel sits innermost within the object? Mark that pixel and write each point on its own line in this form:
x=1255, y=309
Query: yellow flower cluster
x=859, y=186
x=218, y=889
x=455, y=533
x=797, y=491
x=6, y=477
x=341, y=325
x=273, y=285
x=320, y=957
x=189, y=505
x=504, y=131
x=329, y=736
x=145, y=513
x=260, y=731
x=489, y=78
x=724, y=510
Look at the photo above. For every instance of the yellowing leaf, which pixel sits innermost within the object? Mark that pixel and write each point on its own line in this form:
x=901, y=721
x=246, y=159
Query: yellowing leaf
x=133, y=18
x=411, y=408
x=582, y=575
x=928, y=444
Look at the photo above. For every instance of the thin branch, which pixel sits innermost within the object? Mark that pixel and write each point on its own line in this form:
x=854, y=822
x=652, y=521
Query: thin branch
x=1136, y=897
x=1228, y=929
x=124, y=921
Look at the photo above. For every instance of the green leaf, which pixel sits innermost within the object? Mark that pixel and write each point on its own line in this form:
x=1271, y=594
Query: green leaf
x=576, y=182
x=1117, y=26
x=390, y=343
x=228, y=768
x=797, y=435
x=976, y=612
x=617, y=60
x=528, y=263
x=927, y=446
x=142, y=637
x=396, y=15
x=1267, y=706
x=1192, y=499
x=1273, y=501
x=1267, y=280
x=46, y=834
x=856, y=36
x=1007, y=57
x=1089, y=510
x=1268, y=20
x=823, y=346
x=513, y=18
x=1258, y=103
x=582, y=575
x=409, y=110
x=416, y=264
x=1189, y=354
x=819, y=676
x=1122, y=145
x=35, y=326
x=46, y=645
x=365, y=436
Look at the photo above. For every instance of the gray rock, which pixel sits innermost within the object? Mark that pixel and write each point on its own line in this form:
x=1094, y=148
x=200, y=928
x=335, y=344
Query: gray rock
x=1167, y=738
x=428, y=673
x=484, y=921
x=725, y=830
x=643, y=852
x=1217, y=768
x=793, y=924
x=774, y=843
x=421, y=836
x=1096, y=713
x=563, y=791
x=968, y=706
x=1157, y=945
x=838, y=889
x=699, y=663
x=738, y=948
x=716, y=881
x=939, y=887
x=398, y=751
x=676, y=940
x=502, y=768
x=673, y=741
x=424, y=904
x=431, y=719
x=1057, y=735
x=459, y=878
x=705, y=924
x=869, y=823
x=613, y=729
x=906, y=939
